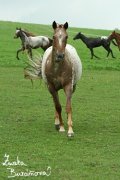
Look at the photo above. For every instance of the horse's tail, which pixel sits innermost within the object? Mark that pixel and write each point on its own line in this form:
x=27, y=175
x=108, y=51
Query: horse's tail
x=33, y=69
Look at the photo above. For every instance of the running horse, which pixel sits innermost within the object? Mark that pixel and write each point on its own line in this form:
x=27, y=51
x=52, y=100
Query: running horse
x=116, y=36
x=92, y=42
x=30, y=41
x=61, y=69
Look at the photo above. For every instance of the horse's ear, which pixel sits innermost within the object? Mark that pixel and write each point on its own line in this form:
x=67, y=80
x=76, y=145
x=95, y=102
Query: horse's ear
x=54, y=25
x=66, y=25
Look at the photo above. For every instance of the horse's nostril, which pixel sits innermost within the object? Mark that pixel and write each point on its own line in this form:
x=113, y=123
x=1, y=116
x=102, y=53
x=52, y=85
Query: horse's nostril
x=60, y=55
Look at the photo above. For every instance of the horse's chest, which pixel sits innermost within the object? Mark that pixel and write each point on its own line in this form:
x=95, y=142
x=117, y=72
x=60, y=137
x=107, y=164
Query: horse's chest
x=59, y=76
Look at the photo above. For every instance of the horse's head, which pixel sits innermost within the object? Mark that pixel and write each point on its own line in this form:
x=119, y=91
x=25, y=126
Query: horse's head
x=77, y=36
x=59, y=40
x=112, y=35
x=17, y=33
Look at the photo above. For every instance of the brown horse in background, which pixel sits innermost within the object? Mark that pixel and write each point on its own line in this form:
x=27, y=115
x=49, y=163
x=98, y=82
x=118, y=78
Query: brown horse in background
x=116, y=36
x=61, y=69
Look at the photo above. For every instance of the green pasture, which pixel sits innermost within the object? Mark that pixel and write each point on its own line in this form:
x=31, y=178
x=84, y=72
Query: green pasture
x=27, y=114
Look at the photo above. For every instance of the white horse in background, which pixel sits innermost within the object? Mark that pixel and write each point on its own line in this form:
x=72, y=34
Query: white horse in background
x=30, y=41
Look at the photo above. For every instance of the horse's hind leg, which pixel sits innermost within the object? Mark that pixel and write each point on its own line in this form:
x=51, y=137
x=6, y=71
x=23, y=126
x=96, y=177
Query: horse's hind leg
x=68, y=91
x=92, y=54
x=109, y=50
x=58, y=118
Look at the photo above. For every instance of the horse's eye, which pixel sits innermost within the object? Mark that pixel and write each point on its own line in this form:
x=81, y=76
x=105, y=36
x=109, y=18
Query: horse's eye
x=66, y=37
x=53, y=37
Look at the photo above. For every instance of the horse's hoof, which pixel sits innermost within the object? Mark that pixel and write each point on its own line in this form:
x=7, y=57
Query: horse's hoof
x=57, y=127
x=61, y=129
x=70, y=135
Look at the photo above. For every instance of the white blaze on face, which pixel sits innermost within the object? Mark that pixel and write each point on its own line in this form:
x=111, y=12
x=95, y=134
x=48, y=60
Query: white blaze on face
x=17, y=31
x=60, y=38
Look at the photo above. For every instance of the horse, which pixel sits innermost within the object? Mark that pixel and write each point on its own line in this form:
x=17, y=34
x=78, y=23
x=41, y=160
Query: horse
x=61, y=69
x=30, y=41
x=116, y=36
x=95, y=42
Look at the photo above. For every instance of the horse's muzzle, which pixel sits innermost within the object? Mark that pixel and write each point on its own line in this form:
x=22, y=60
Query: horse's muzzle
x=15, y=37
x=60, y=57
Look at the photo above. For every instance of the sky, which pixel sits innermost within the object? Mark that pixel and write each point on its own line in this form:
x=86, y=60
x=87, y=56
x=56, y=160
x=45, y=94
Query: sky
x=96, y=14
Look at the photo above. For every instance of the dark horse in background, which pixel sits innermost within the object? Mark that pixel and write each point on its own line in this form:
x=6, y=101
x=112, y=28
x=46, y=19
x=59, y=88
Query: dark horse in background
x=95, y=42
x=31, y=41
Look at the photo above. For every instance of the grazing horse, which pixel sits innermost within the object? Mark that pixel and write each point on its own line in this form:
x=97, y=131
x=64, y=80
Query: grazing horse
x=61, y=69
x=95, y=42
x=116, y=36
x=30, y=41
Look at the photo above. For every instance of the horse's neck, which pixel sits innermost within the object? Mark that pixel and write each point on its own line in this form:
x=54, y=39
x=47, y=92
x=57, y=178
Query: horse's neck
x=84, y=38
x=24, y=39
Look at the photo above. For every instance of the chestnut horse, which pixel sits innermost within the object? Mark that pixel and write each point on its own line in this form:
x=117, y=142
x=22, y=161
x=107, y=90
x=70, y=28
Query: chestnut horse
x=61, y=69
x=30, y=41
x=116, y=36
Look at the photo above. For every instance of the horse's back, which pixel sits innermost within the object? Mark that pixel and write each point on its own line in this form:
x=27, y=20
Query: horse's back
x=38, y=41
x=72, y=56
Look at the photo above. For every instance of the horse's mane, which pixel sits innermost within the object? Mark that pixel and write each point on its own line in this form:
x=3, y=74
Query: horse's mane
x=28, y=33
x=117, y=33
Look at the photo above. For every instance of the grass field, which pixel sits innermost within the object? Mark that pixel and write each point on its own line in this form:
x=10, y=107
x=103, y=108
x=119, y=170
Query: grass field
x=27, y=115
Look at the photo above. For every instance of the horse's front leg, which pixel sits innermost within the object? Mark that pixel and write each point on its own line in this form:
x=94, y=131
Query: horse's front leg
x=91, y=50
x=92, y=54
x=19, y=50
x=68, y=91
x=112, y=53
x=58, y=118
